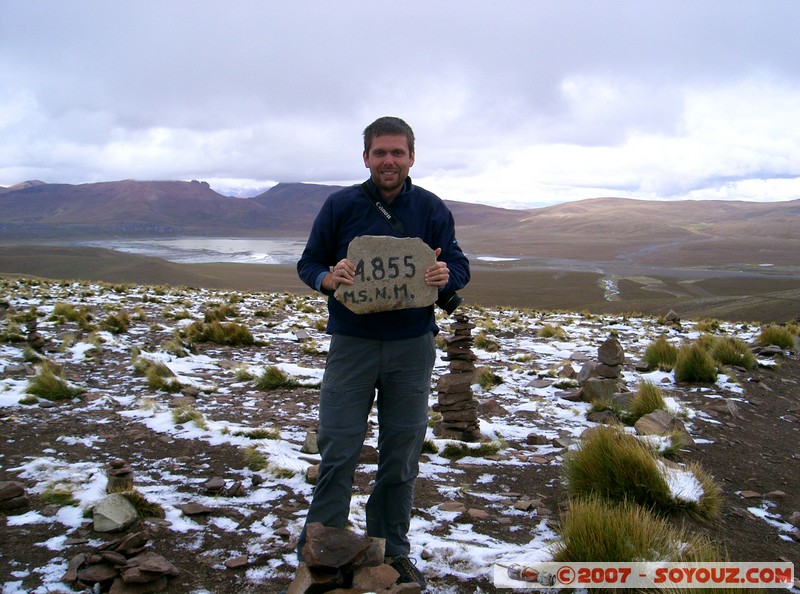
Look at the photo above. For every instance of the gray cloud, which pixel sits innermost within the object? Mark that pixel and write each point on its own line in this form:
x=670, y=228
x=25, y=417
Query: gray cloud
x=281, y=91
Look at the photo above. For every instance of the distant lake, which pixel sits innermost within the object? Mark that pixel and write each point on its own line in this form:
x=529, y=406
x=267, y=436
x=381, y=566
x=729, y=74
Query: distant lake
x=200, y=250
x=203, y=250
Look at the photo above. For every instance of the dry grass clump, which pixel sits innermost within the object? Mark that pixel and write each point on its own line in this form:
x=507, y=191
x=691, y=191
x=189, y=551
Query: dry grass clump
x=661, y=354
x=273, y=378
x=594, y=529
x=216, y=312
x=117, y=323
x=551, y=331
x=482, y=341
x=779, y=336
x=159, y=376
x=259, y=433
x=488, y=378
x=59, y=494
x=143, y=507
x=188, y=414
x=728, y=350
x=456, y=451
x=69, y=313
x=695, y=364
x=49, y=383
x=615, y=465
x=231, y=333
x=253, y=459
x=647, y=399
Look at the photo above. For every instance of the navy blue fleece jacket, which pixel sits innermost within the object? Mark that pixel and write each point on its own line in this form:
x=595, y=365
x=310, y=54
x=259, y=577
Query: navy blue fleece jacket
x=348, y=214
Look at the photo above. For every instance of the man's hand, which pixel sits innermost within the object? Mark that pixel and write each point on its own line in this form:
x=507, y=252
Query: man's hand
x=341, y=274
x=438, y=274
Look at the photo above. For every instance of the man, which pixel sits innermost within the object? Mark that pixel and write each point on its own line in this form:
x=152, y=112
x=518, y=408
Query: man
x=391, y=352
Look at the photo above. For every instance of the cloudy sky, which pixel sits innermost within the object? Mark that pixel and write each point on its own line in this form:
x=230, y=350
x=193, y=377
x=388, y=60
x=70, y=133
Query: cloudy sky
x=513, y=102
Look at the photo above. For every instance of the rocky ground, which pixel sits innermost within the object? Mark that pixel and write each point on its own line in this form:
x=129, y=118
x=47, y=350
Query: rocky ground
x=244, y=541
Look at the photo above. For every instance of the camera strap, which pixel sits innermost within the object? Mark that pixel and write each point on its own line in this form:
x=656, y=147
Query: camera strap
x=383, y=208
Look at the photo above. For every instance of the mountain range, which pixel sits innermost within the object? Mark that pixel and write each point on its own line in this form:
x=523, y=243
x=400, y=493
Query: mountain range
x=675, y=233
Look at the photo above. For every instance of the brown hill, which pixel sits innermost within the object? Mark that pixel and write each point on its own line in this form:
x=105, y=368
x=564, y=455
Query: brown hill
x=679, y=233
x=675, y=234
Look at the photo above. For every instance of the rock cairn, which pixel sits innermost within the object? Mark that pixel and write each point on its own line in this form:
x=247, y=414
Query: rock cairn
x=13, y=496
x=342, y=561
x=122, y=566
x=458, y=407
x=119, y=476
x=600, y=380
x=34, y=338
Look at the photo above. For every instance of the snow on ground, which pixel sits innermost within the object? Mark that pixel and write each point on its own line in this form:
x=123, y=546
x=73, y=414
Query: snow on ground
x=521, y=357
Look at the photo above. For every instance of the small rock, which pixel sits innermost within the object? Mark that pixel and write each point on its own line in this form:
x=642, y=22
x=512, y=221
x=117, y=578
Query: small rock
x=195, y=509
x=214, y=484
x=750, y=494
x=114, y=513
x=453, y=506
x=310, y=443
x=237, y=562
x=478, y=514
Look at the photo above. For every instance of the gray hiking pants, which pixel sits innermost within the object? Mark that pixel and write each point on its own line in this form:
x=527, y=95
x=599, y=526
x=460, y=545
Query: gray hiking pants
x=356, y=369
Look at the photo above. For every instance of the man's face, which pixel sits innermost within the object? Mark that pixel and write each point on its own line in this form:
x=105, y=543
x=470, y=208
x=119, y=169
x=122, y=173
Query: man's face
x=389, y=160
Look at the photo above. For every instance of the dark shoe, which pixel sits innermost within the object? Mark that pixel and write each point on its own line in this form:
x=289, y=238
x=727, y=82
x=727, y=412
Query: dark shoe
x=409, y=574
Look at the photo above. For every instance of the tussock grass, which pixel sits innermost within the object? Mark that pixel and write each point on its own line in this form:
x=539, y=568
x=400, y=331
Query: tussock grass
x=49, y=383
x=710, y=326
x=175, y=347
x=230, y=334
x=216, y=312
x=488, y=378
x=30, y=355
x=157, y=380
x=311, y=347
x=243, y=374
x=253, y=459
x=695, y=364
x=273, y=378
x=594, y=529
x=733, y=351
x=551, y=331
x=143, y=507
x=67, y=312
x=647, y=399
x=117, y=323
x=456, y=451
x=429, y=447
x=158, y=375
x=260, y=433
x=59, y=494
x=188, y=414
x=661, y=354
x=482, y=341
x=775, y=335
x=614, y=465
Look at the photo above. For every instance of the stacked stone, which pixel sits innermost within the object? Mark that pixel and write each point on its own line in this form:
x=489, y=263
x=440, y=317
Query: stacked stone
x=601, y=380
x=458, y=407
x=120, y=477
x=123, y=566
x=338, y=560
x=610, y=359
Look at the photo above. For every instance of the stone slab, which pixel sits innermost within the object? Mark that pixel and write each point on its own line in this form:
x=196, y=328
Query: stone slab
x=390, y=274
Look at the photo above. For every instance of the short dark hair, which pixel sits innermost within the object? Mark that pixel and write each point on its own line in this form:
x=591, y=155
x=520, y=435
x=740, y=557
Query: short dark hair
x=385, y=126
